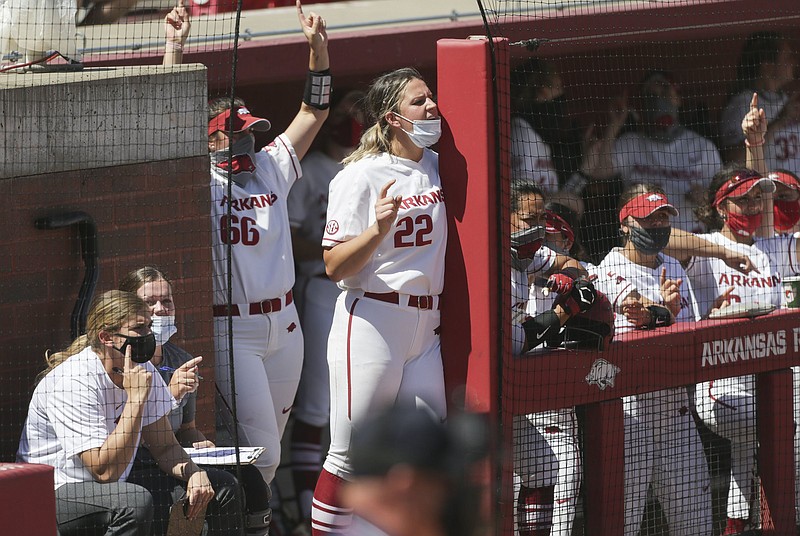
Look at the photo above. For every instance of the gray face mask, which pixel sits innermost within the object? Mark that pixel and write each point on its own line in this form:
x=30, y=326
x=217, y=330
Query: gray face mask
x=649, y=241
x=244, y=145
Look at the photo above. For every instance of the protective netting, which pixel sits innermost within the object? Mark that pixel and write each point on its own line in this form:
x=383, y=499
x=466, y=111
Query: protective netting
x=628, y=119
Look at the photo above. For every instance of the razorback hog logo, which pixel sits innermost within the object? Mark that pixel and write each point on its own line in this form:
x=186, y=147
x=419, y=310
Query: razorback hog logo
x=602, y=374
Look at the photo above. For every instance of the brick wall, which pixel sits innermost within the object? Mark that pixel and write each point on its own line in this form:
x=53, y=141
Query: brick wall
x=155, y=213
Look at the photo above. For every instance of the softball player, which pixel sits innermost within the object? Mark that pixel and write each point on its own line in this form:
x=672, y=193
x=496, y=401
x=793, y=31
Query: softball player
x=766, y=66
x=665, y=153
x=662, y=446
x=308, y=203
x=251, y=225
x=385, y=245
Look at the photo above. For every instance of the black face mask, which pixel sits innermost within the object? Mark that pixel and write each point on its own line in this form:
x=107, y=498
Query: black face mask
x=142, y=347
x=649, y=241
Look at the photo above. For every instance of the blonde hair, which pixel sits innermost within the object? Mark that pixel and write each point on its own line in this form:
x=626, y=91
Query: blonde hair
x=107, y=313
x=384, y=96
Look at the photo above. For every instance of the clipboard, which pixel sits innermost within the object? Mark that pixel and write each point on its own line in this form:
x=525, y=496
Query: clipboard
x=180, y=525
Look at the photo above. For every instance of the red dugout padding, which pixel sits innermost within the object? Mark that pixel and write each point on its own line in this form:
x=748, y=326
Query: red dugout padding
x=28, y=500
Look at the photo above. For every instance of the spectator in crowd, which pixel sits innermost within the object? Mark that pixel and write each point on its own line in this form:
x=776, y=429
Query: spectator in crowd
x=93, y=405
x=786, y=201
x=662, y=446
x=766, y=66
x=176, y=31
x=414, y=476
x=102, y=11
x=179, y=370
x=384, y=243
x=661, y=151
x=308, y=203
x=251, y=231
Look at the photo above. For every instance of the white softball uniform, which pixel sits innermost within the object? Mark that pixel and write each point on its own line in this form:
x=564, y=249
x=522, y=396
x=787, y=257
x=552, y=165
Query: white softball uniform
x=546, y=449
x=783, y=152
x=531, y=157
x=380, y=352
x=678, y=166
x=308, y=206
x=662, y=446
x=267, y=339
x=74, y=409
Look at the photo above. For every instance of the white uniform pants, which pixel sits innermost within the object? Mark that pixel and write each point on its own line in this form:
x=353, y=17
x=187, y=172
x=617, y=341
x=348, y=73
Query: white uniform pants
x=268, y=358
x=729, y=410
x=379, y=354
x=663, y=448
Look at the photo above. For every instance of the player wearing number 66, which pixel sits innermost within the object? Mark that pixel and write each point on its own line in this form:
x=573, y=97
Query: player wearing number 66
x=384, y=244
x=250, y=228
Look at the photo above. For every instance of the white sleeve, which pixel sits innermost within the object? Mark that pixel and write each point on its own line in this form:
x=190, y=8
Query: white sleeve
x=350, y=209
x=281, y=152
x=543, y=260
x=531, y=159
x=77, y=411
x=782, y=250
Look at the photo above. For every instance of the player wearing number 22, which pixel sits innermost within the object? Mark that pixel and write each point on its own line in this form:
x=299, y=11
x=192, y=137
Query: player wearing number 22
x=251, y=226
x=384, y=243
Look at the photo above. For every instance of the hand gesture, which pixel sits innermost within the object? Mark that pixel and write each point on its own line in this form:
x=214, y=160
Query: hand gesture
x=205, y=444
x=313, y=28
x=723, y=301
x=739, y=261
x=754, y=124
x=200, y=493
x=177, y=25
x=671, y=293
x=634, y=310
x=560, y=283
x=386, y=209
x=185, y=379
x=136, y=380
x=596, y=162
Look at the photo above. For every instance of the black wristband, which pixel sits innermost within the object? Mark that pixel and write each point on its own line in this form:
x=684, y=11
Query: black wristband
x=659, y=317
x=318, y=89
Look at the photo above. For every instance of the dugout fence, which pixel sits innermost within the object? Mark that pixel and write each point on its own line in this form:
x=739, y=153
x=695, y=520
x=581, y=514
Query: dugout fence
x=601, y=52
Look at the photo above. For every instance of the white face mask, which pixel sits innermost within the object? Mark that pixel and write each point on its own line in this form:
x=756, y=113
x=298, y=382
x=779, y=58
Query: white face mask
x=425, y=132
x=163, y=328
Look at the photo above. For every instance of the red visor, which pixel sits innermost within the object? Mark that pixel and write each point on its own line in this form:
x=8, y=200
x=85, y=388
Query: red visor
x=643, y=205
x=556, y=224
x=242, y=120
x=740, y=184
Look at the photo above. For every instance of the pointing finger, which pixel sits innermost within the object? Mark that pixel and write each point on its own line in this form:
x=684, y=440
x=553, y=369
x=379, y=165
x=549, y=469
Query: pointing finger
x=385, y=189
x=663, y=276
x=754, y=101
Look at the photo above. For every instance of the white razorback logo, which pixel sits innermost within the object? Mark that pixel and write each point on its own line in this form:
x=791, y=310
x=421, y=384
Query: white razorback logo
x=602, y=374
x=243, y=111
x=653, y=198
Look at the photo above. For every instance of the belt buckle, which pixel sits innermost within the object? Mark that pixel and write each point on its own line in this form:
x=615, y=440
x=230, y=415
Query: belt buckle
x=265, y=307
x=425, y=302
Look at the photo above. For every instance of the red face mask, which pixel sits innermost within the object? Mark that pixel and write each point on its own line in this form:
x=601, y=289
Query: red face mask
x=787, y=213
x=743, y=224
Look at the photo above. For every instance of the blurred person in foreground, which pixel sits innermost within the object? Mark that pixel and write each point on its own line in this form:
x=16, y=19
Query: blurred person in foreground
x=415, y=476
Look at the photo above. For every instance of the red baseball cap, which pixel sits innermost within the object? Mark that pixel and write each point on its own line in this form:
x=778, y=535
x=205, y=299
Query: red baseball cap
x=785, y=178
x=555, y=224
x=741, y=183
x=643, y=205
x=242, y=120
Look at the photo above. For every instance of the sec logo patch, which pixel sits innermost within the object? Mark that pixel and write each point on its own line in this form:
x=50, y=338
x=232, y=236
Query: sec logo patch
x=332, y=227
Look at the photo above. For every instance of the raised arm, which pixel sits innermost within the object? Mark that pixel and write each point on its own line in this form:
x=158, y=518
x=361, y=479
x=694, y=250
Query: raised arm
x=316, y=97
x=176, y=30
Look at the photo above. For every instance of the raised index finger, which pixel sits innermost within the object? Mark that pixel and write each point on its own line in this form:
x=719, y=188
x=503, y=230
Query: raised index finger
x=663, y=276
x=191, y=363
x=754, y=101
x=300, y=14
x=385, y=189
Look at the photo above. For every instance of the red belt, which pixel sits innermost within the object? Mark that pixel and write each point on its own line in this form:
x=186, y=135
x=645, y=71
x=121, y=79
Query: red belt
x=420, y=302
x=258, y=308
